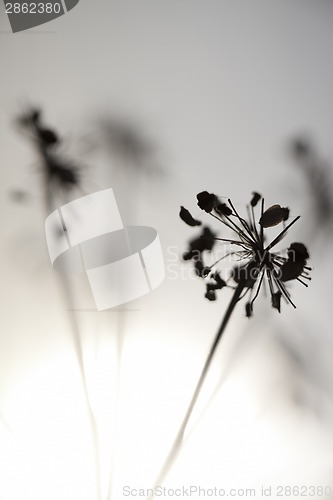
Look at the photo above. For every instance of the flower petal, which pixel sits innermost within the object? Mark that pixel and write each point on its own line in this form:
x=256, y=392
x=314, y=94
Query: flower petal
x=273, y=216
x=185, y=215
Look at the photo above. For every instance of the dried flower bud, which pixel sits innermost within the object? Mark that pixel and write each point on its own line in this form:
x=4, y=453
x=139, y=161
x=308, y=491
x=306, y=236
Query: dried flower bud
x=273, y=216
x=206, y=201
x=222, y=209
x=255, y=199
x=185, y=215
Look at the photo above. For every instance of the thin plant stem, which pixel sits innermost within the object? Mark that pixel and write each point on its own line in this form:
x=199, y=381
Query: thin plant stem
x=172, y=455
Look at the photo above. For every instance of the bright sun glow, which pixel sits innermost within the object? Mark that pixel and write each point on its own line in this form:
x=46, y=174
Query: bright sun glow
x=49, y=451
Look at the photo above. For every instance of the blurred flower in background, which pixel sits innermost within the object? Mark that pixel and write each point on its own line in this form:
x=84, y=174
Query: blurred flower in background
x=317, y=177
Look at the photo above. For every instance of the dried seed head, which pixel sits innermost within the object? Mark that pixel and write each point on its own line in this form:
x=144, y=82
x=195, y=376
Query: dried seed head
x=262, y=265
x=273, y=216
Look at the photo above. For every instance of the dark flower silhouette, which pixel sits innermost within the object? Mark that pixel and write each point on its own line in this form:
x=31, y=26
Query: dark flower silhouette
x=258, y=261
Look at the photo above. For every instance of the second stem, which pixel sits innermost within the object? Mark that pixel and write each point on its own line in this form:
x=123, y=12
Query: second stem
x=180, y=435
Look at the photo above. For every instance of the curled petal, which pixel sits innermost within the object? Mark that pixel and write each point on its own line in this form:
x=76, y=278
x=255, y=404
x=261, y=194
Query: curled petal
x=185, y=215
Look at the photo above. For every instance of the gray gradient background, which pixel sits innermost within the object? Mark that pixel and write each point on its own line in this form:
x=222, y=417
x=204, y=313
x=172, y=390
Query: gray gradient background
x=221, y=86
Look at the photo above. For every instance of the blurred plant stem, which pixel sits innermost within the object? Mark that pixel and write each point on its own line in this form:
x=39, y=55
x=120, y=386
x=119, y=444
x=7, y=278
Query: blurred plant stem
x=52, y=203
x=176, y=446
